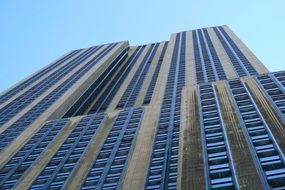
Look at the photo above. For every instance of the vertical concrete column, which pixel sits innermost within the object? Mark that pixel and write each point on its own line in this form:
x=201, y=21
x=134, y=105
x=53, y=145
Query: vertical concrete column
x=190, y=163
x=190, y=60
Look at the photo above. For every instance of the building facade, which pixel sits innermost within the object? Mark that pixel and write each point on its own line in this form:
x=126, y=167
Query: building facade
x=199, y=111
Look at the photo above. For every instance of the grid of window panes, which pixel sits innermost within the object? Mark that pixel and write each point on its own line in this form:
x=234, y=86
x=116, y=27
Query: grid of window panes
x=109, y=167
x=15, y=106
x=219, y=170
x=84, y=101
x=151, y=86
x=34, y=78
x=273, y=84
x=280, y=76
x=240, y=63
x=206, y=60
x=219, y=70
x=199, y=65
x=67, y=157
x=130, y=95
x=13, y=131
x=23, y=160
x=265, y=151
x=250, y=69
x=104, y=100
x=162, y=171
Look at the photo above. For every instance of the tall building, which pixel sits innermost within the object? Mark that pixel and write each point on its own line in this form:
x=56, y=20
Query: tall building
x=199, y=111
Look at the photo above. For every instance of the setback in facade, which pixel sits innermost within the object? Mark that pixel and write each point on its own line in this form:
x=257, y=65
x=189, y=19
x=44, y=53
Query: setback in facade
x=199, y=111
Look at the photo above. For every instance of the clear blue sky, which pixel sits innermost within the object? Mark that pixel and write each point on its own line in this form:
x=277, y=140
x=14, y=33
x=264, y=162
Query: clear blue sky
x=34, y=33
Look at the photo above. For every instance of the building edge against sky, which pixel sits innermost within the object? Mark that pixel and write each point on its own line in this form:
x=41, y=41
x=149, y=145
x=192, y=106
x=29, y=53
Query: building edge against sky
x=199, y=111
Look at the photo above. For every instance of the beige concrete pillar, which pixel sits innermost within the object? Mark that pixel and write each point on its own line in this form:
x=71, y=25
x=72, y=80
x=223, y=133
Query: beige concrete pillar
x=190, y=60
x=190, y=163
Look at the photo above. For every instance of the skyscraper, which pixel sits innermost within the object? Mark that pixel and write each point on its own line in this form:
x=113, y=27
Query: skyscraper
x=199, y=111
